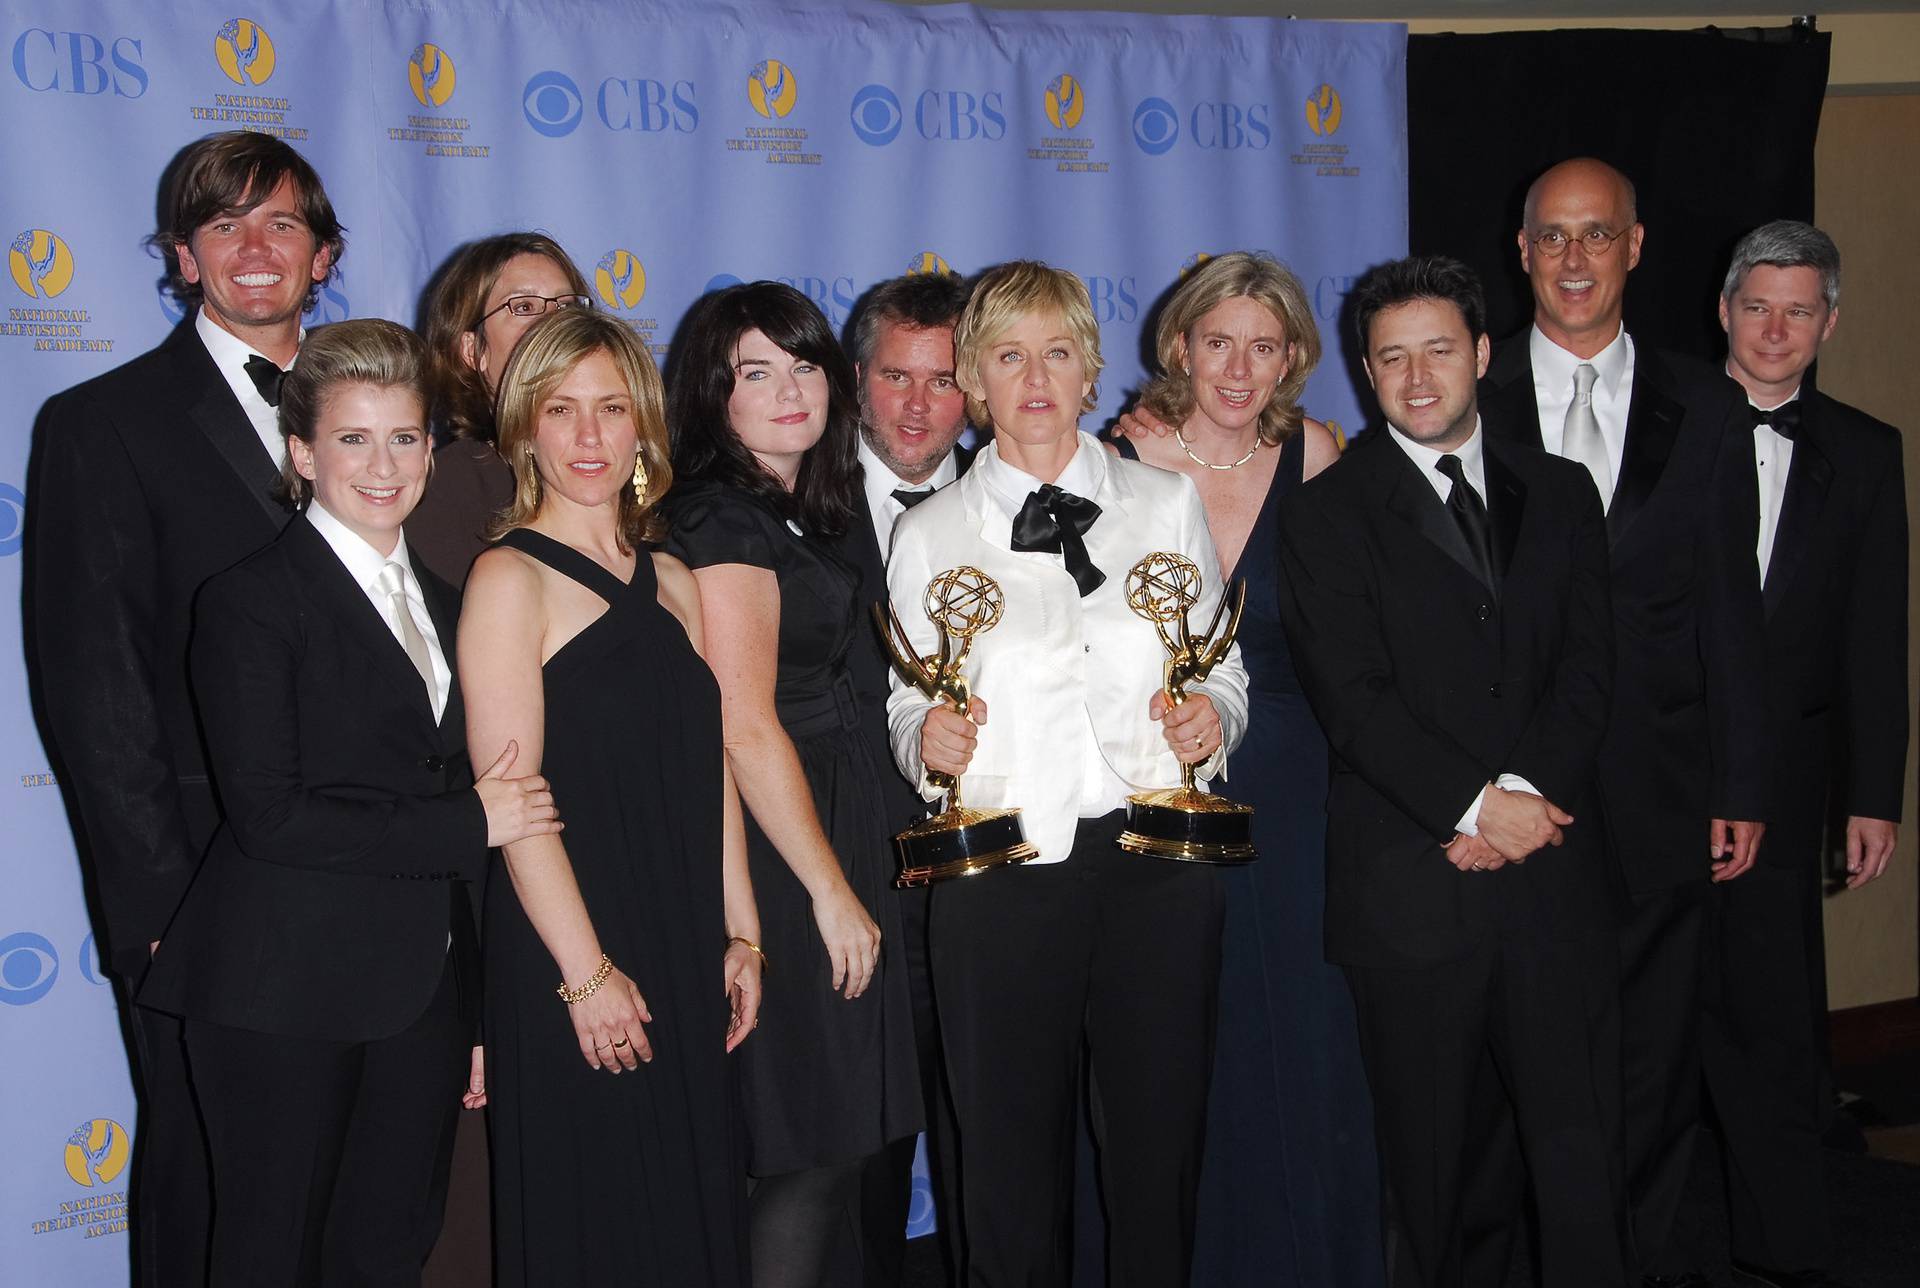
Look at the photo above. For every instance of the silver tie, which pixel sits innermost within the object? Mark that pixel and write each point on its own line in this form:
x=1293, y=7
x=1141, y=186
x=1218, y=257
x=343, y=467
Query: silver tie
x=393, y=584
x=1580, y=440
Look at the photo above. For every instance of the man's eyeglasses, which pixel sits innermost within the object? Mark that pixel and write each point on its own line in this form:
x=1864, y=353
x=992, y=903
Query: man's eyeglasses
x=532, y=306
x=1595, y=241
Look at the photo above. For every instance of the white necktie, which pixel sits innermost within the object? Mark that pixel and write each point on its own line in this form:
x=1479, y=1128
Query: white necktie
x=1580, y=439
x=393, y=584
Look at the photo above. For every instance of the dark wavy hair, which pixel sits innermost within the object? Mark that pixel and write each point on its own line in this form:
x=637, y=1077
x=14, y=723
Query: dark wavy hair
x=1418, y=277
x=700, y=377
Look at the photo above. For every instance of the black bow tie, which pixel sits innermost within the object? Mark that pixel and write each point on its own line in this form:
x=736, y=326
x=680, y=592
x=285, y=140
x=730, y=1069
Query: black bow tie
x=1053, y=521
x=266, y=377
x=1784, y=420
x=908, y=497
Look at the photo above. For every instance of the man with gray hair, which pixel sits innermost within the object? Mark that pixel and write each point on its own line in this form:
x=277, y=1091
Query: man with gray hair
x=1831, y=548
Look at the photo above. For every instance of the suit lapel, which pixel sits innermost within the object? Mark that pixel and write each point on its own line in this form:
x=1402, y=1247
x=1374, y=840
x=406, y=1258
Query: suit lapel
x=1415, y=503
x=1653, y=425
x=1507, y=507
x=1507, y=400
x=215, y=413
x=444, y=610
x=351, y=610
x=1807, y=480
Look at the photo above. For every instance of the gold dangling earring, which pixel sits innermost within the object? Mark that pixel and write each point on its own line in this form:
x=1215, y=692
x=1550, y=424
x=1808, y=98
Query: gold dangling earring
x=640, y=478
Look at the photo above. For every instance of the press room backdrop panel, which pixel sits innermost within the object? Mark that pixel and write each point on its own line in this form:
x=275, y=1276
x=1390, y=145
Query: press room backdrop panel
x=670, y=148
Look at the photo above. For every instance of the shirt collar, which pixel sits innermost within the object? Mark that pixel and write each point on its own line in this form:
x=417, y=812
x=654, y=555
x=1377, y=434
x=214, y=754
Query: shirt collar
x=1751, y=403
x=362, y=560
x=881, y=480
x=1472, y=454
x=1553, y=366
x=1082, y=476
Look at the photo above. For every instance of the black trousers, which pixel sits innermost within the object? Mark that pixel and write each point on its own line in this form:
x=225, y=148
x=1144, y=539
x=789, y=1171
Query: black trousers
x=886, y=1189
x=330, y=1159
x=1532, y=1023
x=1109, y=952
x=1766, y=1055
x=171, y=1195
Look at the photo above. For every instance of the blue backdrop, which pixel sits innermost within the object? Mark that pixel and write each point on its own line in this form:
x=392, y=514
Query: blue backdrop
x=670, y=147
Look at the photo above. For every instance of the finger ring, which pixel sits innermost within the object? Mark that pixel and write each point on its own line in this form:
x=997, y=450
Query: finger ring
x=603, y=1046
x=622, y=1042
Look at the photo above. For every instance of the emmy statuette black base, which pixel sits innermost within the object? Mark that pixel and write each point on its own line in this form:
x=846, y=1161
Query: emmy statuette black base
x=960, y=842
x=1188, y=825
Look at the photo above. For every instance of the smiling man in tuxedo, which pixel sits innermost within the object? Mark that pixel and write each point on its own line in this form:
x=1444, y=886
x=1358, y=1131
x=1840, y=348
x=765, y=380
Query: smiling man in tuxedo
x=1831, y=546
x=1446, y=600
x=1681, y=773
x=911, y=416
x=147, y=481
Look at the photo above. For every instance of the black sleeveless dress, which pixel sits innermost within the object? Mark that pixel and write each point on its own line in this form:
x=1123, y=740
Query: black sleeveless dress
x=825, y=1080
x=1289, y=1189
x=635, y=1179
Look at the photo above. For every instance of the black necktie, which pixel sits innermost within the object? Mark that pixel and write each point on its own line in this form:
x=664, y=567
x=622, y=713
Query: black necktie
x=1054, y=521
x=1470, y=514
x=1784, y=420
x=908, y=497
x=266, y=377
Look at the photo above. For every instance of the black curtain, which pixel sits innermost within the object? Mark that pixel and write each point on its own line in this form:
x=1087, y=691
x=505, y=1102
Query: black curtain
x=1715, y=128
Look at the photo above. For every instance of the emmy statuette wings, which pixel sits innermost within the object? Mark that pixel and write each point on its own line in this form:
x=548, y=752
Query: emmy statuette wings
x=959, y=841
x=1184, y=822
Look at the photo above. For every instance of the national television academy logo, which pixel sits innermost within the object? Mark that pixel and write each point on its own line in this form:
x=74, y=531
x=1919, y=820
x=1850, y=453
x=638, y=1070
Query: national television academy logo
x=40, y=263
x=430, y=75
x=1323, y=110
x=97, y=1152
x=1066, y=102
x=620, y=279
x=772, y=89
x=929, y=262
x=244, y=51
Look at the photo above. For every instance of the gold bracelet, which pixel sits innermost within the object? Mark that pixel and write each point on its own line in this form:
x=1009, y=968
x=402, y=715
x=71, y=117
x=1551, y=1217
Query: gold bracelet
x=750, y=946
x=572, y=996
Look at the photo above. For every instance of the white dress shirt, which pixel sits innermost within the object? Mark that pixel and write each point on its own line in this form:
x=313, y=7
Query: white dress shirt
x=364, y=564
x=1066, y=678
x=1612, y=394
x=880, y=482
x=1473, y=464
x=1772, y=460
x=230, y=354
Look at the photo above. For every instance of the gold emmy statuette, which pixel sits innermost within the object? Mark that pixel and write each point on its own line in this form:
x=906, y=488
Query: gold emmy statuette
x=958, y=841
x=1184, y=822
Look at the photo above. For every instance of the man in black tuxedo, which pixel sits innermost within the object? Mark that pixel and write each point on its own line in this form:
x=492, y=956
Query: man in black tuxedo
x=1681, y=778
x=1831, y=546
x=1447, y=604
x=911, y=415
x=147, y=481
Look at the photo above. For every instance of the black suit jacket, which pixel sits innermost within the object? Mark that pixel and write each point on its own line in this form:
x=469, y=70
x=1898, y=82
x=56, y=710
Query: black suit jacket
x=1836, y=625
x=1686, y=739
x=324, y=905
x=145, y=482
x=860, y=548
x=1429, y=683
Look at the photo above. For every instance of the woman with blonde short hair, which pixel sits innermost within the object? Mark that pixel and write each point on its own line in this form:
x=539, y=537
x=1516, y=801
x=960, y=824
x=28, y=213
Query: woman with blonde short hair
x=614, y=1140
x=1086, y=944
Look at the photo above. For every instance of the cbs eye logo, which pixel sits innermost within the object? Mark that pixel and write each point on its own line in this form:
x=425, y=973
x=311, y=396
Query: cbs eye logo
x=431, y=76
x=1323, y=110
x=13, y=523
x=244, y=51
x=1066, y=102
x=772, y=89
x=1156, y=126
x=876, y=115
x=28, y=967
x=40, y=263
x=552, y=104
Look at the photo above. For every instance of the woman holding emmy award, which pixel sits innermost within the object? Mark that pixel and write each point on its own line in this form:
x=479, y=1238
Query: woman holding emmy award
x=762, y=407
x=612, y=1116
x=1289, y=1194
x=1086, y=943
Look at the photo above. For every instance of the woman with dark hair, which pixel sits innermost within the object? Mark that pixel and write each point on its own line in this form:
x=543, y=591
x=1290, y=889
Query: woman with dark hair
x=483, y=299
x=1290, y=1191
x=761, y=404
x=324, y=958
x=612, y=1116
